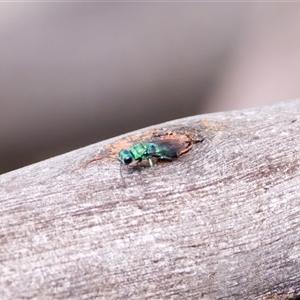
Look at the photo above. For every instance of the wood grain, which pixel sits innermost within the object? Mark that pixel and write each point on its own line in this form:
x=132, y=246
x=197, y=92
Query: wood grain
x=220, y=222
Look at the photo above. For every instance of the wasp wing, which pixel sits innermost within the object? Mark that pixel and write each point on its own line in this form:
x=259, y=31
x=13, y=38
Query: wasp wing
x=165, y=148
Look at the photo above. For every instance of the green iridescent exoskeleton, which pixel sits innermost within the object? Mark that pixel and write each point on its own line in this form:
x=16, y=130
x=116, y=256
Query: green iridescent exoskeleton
x=137, y=152
x=166, y=149
x=163, y=150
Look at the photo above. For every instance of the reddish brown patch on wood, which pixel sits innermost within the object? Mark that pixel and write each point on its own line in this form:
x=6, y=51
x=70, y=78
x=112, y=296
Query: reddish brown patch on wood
x=206, y=123
x=185, y=136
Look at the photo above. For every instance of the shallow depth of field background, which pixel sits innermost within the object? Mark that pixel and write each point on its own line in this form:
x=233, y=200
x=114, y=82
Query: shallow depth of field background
x=72, y=74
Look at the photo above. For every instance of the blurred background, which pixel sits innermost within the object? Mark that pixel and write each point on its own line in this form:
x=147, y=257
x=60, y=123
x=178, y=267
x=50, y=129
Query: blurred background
x=72, y=74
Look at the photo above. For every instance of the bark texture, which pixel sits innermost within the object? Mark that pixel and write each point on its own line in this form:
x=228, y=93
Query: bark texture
x=220, y=222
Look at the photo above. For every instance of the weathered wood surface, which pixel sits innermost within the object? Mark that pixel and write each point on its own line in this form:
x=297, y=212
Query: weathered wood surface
x=221, y=222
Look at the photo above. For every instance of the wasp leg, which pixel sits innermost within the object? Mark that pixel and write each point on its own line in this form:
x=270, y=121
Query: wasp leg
x=150, y=162
x=124, y=183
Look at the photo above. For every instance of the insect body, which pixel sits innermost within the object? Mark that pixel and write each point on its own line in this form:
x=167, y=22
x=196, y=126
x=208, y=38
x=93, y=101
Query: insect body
x=137, y=152
x=162, y=149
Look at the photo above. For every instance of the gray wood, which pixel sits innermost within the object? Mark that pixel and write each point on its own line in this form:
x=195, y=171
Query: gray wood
x=220, y=222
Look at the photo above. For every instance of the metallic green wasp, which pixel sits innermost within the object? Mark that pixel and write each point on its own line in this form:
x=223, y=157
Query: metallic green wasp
x=166, y=149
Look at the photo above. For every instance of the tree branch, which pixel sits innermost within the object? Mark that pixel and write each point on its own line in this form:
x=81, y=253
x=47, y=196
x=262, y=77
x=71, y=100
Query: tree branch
x=220, y=222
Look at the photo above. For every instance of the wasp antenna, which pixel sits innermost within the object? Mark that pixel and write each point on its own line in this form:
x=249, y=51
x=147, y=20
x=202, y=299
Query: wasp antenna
x=122, y=176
